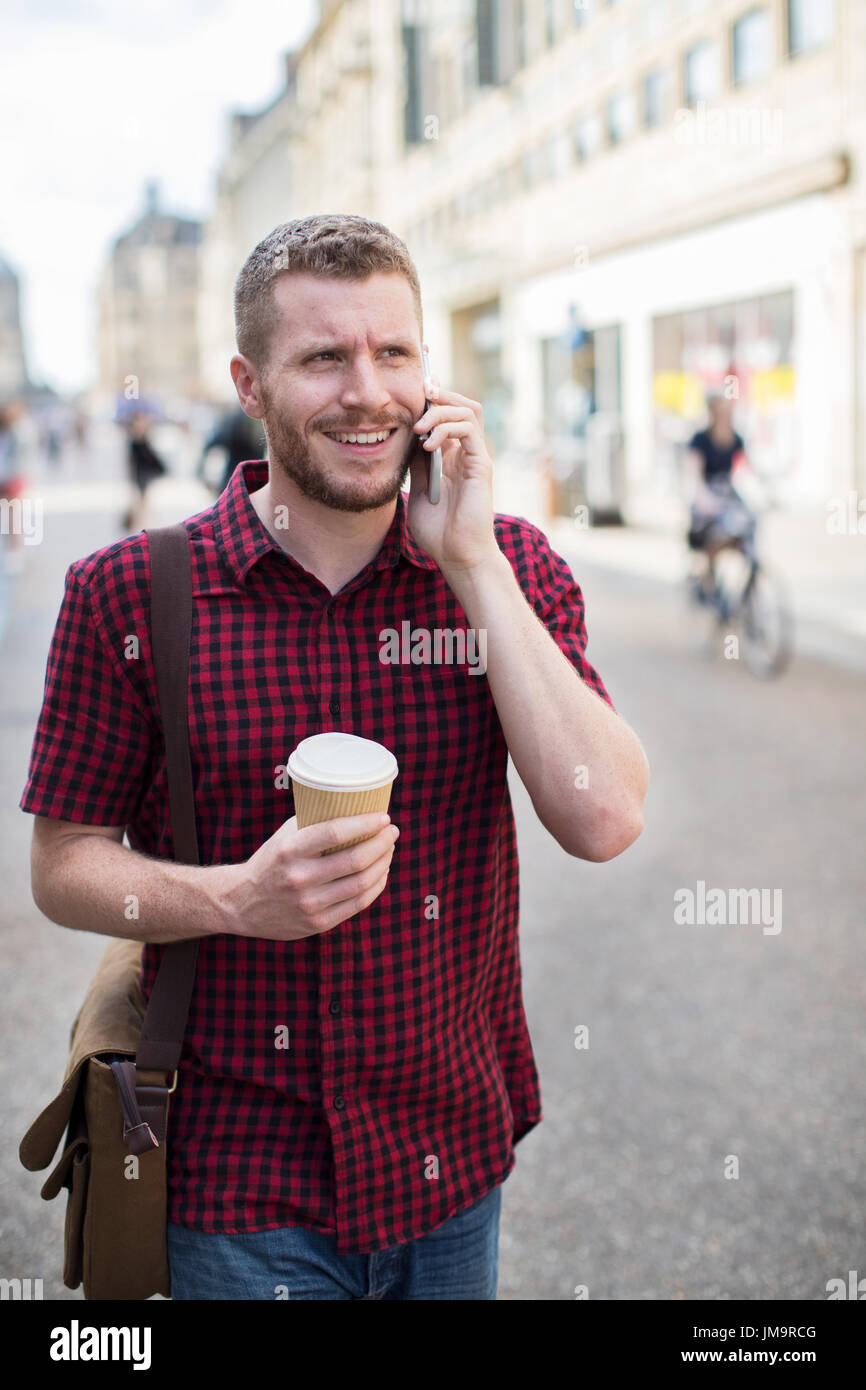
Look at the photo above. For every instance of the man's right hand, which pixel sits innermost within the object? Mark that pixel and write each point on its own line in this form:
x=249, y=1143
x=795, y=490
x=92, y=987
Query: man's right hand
x=289, y=889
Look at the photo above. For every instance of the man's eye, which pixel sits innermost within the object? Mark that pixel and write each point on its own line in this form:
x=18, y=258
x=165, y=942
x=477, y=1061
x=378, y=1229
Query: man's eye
x=326, y=352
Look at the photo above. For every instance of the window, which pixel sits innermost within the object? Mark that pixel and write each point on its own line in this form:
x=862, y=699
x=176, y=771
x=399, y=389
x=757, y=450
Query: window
x=654, y=21
x=701, y=71
x=655, y=97
x=752, y=46
x=470, y=73
x=810, y=25
x=579, y=12
x=547, y=160
x=474, y=201
x=441, y=96
x=414, y=79
x=587, y=136
x=559, y=154
x=488, y=43
x=543, y=161
x=580, y=379
x=550, y=22
x=125, y=275
x=520, y=34
x=180, y=272
x=751, y=341
x=619, y=116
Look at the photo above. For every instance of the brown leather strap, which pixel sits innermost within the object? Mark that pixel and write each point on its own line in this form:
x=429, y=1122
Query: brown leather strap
x=137, y=1133
x=170, y=629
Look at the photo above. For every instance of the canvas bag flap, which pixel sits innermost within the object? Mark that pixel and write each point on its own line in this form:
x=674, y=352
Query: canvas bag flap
x=109, y=1020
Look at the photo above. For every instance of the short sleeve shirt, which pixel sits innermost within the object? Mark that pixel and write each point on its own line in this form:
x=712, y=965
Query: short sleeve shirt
x=718, y=459
x=370, y=1081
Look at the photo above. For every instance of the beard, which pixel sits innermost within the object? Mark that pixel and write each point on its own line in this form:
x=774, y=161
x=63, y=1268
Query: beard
x=343, y=489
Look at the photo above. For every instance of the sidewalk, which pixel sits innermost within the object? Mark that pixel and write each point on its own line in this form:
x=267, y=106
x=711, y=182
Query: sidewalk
x=44, y=970
x=825, y=574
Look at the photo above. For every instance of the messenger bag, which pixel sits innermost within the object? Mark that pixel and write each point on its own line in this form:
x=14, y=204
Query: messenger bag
x=124, y=1056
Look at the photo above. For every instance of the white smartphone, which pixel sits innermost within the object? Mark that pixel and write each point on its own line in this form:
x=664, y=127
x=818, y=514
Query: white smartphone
x=434, y=460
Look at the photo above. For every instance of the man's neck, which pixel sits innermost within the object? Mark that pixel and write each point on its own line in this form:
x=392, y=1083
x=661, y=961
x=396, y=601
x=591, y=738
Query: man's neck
x=332, y=545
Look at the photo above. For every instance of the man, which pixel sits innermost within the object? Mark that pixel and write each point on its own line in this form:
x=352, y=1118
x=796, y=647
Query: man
x=237, y=437
x=365, y=1160
x=145, y=467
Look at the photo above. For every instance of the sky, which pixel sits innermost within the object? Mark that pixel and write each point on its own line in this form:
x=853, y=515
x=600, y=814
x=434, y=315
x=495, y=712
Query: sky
x=96, y=98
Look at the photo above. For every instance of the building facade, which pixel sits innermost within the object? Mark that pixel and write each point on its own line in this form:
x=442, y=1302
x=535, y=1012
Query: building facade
x=324, y=145
x=614, y=207
x=639, y=201
x=13, y=363
x=148, y=309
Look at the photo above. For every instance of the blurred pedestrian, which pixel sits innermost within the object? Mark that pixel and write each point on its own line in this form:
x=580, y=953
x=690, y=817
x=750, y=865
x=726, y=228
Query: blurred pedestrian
x=145, y=466
x=80, y=428
x=53, y=426
x=240, y=438
x=12, y=483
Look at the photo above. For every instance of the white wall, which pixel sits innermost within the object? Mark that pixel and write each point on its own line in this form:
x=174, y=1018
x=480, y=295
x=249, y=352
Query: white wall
x=802, y=245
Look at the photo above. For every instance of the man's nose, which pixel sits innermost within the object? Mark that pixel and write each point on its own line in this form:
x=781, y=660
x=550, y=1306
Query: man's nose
x=364, y=385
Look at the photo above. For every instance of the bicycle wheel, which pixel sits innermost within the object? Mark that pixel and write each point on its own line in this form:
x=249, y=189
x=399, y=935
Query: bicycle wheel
x=767, y=625
x=733, y=572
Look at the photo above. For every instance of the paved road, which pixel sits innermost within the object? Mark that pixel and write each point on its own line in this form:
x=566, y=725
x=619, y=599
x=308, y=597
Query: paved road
x=704, y=1041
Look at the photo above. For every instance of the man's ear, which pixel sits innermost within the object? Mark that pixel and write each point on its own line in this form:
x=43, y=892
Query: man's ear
x=248, y=385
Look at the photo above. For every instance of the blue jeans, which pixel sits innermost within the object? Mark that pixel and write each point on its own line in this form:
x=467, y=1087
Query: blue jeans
x=458, y=1261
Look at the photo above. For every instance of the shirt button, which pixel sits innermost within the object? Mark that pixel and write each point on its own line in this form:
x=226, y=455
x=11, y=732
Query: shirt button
x=339, y=1103
x=334, y=1006
x=334, y=706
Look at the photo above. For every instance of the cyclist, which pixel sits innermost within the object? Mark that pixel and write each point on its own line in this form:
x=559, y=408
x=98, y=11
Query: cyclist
x=719, y=518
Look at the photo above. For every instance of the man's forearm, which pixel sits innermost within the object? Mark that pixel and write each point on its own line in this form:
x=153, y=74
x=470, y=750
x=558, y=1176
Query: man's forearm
x=581, y=763
x=90, y=883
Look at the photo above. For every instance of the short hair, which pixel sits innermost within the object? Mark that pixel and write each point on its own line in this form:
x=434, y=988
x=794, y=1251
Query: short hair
x=341, y=245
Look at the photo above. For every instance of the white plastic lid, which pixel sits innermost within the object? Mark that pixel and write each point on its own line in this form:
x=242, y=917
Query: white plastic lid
x=342, y=762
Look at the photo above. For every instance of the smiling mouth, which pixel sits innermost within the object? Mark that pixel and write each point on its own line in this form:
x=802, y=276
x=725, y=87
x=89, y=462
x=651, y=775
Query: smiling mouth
x=365, y=441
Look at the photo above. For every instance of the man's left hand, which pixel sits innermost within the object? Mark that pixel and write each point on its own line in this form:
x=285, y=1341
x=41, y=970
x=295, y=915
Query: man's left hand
x=457, y=531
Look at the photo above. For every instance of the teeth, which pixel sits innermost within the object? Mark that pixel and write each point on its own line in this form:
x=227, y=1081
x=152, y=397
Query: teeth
x=360, y=438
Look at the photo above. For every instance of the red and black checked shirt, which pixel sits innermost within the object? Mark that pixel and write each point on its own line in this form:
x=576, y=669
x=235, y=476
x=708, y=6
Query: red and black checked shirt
x=409, y=1074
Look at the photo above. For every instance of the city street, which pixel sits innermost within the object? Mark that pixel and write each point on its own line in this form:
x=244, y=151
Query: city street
x=704, y=1041
x=705, y=1140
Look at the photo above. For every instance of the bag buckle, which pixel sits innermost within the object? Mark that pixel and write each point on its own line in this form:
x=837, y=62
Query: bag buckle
x=173, y=1087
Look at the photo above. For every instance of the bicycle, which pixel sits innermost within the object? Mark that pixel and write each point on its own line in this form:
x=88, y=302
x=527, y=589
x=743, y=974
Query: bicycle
x=748, y=603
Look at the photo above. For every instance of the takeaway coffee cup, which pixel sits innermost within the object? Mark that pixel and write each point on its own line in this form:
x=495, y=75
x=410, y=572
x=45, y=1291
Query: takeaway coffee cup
x=337, y=774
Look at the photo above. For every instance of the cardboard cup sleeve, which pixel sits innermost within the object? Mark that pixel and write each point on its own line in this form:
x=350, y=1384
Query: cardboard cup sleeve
x=315, y=804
